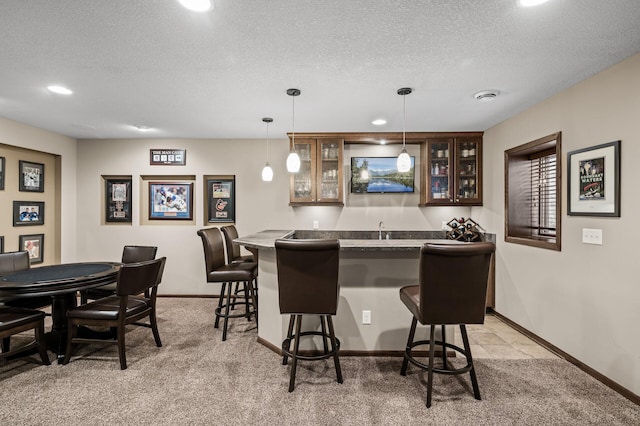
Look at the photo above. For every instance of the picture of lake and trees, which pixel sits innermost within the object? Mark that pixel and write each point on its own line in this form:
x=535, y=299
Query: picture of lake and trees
x=380, y=175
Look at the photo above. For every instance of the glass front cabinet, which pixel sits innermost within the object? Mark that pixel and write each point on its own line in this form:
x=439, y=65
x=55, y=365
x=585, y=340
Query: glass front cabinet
x=319, y=180
x=454, y=171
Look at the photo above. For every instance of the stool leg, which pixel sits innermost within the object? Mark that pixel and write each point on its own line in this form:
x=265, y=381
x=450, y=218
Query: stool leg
x=324, y=333
x=444, y=349
x=220, y=298
x=294, y=361
x=472, y=372
x=226, y=313
x=246, y=299
x=254, y=298
x=432, y=348
x=289, y=335
x=334, y=348
x=407, y=351
x=6, y=344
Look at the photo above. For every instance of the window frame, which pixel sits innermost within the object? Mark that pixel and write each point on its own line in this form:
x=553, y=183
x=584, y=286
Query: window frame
x=517, y=210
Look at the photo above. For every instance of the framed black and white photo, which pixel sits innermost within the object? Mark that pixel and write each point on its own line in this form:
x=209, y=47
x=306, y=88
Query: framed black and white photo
x=34, y=244
x=593, y=183
x=170, y=200
x=2, y=167
x=221, y=200
x=31, y=176
x=118, y=200
x=28, y=213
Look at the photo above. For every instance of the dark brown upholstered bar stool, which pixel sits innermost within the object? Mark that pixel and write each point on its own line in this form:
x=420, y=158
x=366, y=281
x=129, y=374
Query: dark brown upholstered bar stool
x=218, y=271
x=15, y=320
x=308, y=285
x=12, y=262
x=452, y=290
x=233, y=249
x=130, y=254
x=123, y=308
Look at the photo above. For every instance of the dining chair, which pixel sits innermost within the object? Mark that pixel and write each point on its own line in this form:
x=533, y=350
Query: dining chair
x=124, y=308
x=451, y=290
x=219, y=271
x=130, y=254
x=308, y=285
x=14, y=320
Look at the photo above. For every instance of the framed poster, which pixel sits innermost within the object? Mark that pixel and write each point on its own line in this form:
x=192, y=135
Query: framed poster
x=31, y=176
x=221, y=200
x=118, y=200
x=167, y=157
x=28, y=213
x=34, y=244
x=593, y=183
x=2, y=166
x=170, y=200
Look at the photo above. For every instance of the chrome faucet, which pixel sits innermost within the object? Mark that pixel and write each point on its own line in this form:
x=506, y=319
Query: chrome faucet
x=380, y=226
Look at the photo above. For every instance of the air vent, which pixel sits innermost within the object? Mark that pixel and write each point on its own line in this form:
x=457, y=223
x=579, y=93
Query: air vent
x=486, y=95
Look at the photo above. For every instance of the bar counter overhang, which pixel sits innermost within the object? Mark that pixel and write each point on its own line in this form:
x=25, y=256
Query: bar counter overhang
x=372, y=271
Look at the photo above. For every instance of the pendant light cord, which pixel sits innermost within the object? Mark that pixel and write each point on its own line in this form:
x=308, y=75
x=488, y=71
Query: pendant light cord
x=293, y=125
x=404, y=119
x=267, y=142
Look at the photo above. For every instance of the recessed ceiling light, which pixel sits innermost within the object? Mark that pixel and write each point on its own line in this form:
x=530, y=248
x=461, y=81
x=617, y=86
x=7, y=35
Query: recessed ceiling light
x=143, y=128
x=530, y=3
x=383, y=142
x=379, y=122
x=197, y=5
x=486, y=95
x=61, y=90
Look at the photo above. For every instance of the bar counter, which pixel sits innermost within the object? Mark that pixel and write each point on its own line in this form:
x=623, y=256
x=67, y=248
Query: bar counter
x=371, y=273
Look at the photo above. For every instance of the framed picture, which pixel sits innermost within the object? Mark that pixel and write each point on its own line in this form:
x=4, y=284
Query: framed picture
x=31, y=176
x=118, y=200
x=167, y=157
x=28, y=213
x=34, y=244
x=2, y=166
x=1, y=244
x=170, y=200
x=594, y=181
x=221, y=200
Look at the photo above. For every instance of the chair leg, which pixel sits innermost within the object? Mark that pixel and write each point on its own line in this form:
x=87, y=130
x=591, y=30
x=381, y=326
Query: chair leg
x=472, y=372
x=289, y=336
x=220, y=299
x=407, y=351
x=294, y=362
x=226, y=313
x=432, y=348
x=121, y=353
x=42, y=344
x=334, y=348
x=6, y=344
x=72, y=331
x=154, y=328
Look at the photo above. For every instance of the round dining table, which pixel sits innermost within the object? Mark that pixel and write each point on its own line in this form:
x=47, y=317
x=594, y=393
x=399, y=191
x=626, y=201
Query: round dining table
x=61, y=282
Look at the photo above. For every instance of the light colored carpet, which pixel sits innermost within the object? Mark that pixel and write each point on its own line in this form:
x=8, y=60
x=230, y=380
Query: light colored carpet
x=196, y=379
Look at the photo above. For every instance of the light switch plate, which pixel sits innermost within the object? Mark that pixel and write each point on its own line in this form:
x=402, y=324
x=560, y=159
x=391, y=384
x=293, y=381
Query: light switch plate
x=316, y=224
x=592, y=236
x=366, y=317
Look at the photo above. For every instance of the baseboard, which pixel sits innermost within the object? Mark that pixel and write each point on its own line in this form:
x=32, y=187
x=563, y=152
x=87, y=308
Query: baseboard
x=562, y=354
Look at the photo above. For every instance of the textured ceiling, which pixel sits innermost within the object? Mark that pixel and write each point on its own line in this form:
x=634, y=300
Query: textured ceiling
x=215, y=75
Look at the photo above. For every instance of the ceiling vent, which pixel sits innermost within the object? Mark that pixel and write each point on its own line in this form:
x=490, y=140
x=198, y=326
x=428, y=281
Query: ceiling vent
x=486, y=95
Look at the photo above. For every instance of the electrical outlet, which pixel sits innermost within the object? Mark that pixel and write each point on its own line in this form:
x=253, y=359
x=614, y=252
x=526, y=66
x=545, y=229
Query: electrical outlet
x=592, y=236
x=366, y=317
x=316, y=224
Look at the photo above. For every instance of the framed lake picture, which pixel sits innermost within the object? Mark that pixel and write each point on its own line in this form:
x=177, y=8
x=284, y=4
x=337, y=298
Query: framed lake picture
x=221, y=200
x=31, y=176
x=28, y=213
x=170, y=200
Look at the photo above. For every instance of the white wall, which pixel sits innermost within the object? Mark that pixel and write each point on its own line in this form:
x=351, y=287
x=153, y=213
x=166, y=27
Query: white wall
x=586, y=298
x=259, y=205
x=23, y=136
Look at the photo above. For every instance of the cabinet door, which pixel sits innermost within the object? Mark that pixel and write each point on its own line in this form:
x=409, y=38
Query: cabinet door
x=329, y=170
x=468, y=168
x=440, y=186
x=303, y=183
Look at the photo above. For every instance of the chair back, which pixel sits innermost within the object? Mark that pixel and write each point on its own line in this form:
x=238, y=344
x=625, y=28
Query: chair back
x=233, y=249
x=213, y=248
x=135, y=278
x=453, y=282
x=133, y=254
x=308, y=276
x=14, y=261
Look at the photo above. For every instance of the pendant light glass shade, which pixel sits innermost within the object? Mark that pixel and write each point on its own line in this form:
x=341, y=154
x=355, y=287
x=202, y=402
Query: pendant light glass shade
x=403, y=163
x=293, y=160
x=267, y=171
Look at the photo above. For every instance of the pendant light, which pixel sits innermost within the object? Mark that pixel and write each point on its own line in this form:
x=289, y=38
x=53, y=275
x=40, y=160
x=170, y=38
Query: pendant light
x=404, y=161
x=267, y=172
x=293, y=160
